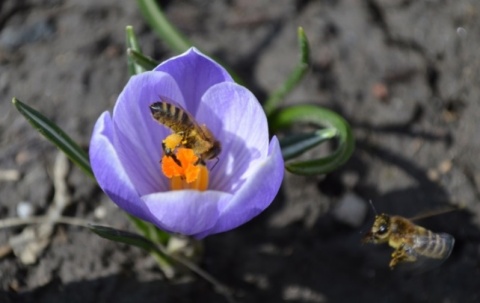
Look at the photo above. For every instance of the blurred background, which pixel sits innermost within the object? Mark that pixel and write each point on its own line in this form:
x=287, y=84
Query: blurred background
x=405, y=74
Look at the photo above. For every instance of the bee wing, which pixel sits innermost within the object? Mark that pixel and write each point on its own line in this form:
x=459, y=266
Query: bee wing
x=449, y=241
x=435, y=246
x=196, y=125
x=170, y=101
x=428, y=251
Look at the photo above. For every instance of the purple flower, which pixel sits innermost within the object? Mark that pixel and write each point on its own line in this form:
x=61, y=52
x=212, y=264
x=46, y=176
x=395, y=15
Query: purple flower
x=126, y=148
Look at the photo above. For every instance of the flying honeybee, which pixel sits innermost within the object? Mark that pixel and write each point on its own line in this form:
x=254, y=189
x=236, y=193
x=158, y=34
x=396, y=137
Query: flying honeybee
x=194, y=136
x=412, y=243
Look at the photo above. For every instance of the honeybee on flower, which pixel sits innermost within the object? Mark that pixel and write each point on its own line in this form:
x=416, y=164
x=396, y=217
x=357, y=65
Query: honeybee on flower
x=189, y=199
x=186, y=132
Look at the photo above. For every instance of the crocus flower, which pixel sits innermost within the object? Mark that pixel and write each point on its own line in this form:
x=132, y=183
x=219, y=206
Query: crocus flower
x=126, y=150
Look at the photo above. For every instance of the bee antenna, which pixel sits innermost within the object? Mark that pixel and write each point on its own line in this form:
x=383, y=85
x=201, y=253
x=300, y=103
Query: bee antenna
x=373, y=207
x=218, y=159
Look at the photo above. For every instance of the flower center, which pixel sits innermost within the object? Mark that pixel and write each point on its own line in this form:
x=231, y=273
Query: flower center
x=183, y=170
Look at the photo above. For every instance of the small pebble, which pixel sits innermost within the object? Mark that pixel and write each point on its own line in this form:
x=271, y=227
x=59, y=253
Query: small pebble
x=351, y=210
x=100, y=212
x=9, y=175
x=13, y=37
x=380, y=91
x=461, y=32
x=445, y=166
x=25, y=209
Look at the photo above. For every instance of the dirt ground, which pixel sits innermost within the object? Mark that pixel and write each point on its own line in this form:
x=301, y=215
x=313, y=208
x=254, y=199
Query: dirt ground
x=404, y=73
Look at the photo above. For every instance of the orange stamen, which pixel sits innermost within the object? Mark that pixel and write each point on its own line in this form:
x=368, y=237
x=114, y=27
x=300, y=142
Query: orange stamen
x=188, y=175
x=201, y=183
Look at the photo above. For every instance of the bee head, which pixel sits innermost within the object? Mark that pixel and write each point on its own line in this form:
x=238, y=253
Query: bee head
x=155, y=107
x=380, y=230
x=214, y=151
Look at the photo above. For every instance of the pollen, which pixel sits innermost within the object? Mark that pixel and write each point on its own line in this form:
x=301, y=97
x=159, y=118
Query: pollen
x=187, y=175
x=172, y=141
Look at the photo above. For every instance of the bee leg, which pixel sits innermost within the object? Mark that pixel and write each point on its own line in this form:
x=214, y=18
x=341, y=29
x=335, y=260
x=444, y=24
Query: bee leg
x=397, y=256
x=215, y=163
x=175, y=159
x=166, y=151
x=199, y=161
x=169, y=153
x=400, y=255
x=184, y=137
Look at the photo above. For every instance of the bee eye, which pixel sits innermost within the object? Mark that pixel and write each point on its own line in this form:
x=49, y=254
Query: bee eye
x=382, y=229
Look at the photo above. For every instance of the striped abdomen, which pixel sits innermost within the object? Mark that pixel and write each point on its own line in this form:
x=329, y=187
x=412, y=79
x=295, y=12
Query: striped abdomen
x=171, y=116
x=432, y=245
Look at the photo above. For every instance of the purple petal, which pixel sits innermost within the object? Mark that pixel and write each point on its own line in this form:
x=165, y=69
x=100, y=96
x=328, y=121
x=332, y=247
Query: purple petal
x=254, y=196
x=109, y=170
x=195, y=73
x=237, y=120
x=139, y=135
x=186, y=212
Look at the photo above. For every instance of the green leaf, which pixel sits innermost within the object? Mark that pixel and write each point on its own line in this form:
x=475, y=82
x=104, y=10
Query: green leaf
x=124, y=237
x=134, y=68
x=160, y=24
x=295, y=145
x=55, y=135
x=144, y=61
x=321, y=117
x=150, y=231
x=295, y=77
x=163, y=260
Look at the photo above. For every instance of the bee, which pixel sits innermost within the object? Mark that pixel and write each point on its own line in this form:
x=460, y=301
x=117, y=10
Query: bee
x=411, y=243
x=194, y=136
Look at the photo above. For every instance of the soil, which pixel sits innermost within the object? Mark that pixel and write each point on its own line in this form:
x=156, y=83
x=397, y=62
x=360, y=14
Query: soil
x=404, y=73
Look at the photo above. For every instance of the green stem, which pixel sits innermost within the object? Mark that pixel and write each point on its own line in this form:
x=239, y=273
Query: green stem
x=159, y=22
x=132, y=43
x=294, y=78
